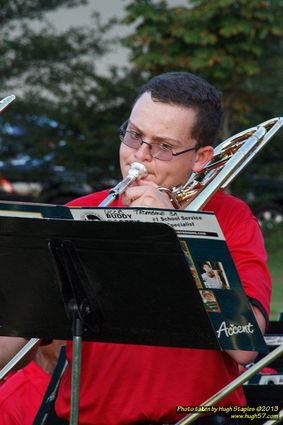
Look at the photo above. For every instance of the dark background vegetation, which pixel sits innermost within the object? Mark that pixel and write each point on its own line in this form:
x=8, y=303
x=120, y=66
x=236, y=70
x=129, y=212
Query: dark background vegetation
x=66, y=108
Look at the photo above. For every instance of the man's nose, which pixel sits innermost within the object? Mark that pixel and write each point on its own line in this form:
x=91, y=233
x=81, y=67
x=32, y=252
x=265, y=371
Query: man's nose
x=144, y=151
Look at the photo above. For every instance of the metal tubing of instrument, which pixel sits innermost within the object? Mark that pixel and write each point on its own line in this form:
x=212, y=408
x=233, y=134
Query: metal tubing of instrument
x=15, y=360
x=136, y=172
x=277, y=124
x=222, y=176
x=116, y=191
x=6, y=101
x=189, y=419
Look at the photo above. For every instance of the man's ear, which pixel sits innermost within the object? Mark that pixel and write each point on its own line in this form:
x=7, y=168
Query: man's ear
x=203, y=157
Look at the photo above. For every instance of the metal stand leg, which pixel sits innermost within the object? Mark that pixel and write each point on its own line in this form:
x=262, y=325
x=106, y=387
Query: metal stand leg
x=76, y=372
x=73, y=281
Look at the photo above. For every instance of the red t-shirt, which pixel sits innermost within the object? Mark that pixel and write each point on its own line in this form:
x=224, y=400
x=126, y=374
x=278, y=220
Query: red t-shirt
x=123, y=384
x=21, y=395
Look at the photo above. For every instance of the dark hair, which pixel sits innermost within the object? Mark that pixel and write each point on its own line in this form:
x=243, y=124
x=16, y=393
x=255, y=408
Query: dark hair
x=190, y=91
x=206, y=263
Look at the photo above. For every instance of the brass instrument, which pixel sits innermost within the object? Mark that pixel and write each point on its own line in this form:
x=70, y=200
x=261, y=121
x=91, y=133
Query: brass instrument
x=249, y=373
x=33, y=341
x=230, y=157
x=136, y=172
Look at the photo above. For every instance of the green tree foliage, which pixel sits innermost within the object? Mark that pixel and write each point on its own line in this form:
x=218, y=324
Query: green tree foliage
x=235, y=44
x=64, y=106
x=31, y=58
x=91, y=119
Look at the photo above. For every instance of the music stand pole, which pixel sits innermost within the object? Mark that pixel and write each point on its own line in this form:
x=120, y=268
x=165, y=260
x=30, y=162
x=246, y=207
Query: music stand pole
x=75, y=385
x=89, y=260
x=69, y=272
x=78, y=312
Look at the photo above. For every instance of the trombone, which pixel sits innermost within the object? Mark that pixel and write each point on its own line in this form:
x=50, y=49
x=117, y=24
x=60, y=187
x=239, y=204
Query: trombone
x=6, y=101
x=189, y=419
x=230, y=157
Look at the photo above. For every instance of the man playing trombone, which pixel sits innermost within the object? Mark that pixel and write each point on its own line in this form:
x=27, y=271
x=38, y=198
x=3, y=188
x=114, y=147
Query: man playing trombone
x=171, y=129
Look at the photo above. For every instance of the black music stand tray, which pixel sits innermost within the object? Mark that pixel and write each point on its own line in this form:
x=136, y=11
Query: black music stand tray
x=125, y=282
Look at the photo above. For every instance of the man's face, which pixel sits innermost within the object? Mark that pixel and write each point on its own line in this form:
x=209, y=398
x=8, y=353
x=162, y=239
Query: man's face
x=207, y=268
x=209, y=297
x=162, y=123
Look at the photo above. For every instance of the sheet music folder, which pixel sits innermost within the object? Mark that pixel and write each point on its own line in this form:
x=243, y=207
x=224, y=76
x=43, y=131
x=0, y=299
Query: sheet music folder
x=135, y=279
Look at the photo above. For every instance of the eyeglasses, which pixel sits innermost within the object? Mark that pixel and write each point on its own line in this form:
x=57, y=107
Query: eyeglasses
x=161, y=151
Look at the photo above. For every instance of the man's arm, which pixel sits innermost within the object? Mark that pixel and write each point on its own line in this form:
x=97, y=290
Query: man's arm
x=246, y=357
x=150, y=197
x=10, y=346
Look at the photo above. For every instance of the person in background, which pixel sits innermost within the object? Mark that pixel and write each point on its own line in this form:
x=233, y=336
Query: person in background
x=210, y=277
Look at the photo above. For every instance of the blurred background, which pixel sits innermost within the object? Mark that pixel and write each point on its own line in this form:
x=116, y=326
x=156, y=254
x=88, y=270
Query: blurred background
x=75, y=67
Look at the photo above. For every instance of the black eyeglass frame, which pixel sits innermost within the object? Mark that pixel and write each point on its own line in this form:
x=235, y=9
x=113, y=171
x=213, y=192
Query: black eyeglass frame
x=122, y=132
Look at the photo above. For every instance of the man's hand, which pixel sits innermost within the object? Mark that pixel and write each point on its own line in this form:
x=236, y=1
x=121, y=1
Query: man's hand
x=146, y=196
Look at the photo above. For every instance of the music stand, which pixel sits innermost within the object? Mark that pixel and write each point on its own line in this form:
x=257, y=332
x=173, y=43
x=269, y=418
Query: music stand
x=125, y=282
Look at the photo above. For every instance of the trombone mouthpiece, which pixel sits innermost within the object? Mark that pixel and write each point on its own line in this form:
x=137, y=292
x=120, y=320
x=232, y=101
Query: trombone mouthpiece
x=6, y=101
x=137, y=171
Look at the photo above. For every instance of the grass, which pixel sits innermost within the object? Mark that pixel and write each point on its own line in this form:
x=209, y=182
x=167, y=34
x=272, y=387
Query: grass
x=274, y=247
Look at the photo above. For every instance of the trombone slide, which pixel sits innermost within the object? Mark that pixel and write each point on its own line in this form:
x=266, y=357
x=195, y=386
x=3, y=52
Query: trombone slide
x=6, y=101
